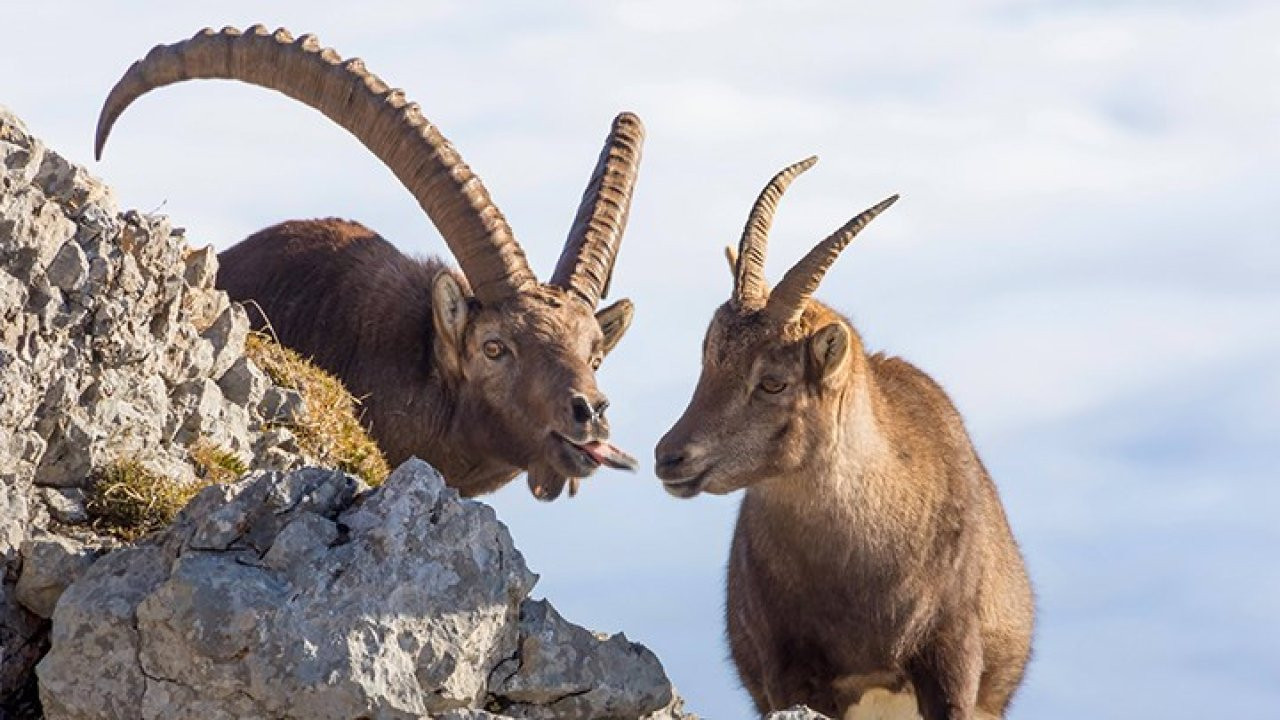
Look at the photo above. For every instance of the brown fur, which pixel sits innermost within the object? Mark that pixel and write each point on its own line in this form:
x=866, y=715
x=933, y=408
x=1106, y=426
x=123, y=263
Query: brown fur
x=341, y=295
x=871, y=548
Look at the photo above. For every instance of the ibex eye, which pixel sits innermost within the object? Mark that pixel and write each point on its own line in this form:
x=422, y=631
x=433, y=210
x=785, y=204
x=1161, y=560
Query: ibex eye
x=772, y=386
x=493, y=349
x=595, y=363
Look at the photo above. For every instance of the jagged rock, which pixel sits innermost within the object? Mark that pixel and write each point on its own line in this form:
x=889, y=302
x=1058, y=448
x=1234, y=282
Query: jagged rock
x=104, y=317
x=281, y=404
x=226, y=337
x=49, y=564
x=243, y=383
x=69, y=268
x=308, y=595
x=66, y=505
x=564, y=671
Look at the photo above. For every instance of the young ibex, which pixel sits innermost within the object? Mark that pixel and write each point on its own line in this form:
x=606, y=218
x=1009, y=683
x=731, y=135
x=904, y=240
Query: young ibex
x=484, y=372
x=871, y=549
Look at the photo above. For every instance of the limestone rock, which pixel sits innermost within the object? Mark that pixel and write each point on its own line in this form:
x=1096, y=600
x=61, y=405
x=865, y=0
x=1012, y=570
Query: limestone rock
x=308, y=595
x=564, y=671
x=112, y=340
x=49, y=564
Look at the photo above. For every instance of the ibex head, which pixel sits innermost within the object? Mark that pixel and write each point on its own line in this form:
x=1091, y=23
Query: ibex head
x=775, y=365
x=517, y=357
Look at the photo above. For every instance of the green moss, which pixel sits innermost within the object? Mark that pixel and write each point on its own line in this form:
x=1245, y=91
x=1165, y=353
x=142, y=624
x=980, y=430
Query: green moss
x=328, y=429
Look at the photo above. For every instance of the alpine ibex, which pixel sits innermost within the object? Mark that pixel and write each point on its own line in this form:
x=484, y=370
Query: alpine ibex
x=484, y=372
x=871, y=549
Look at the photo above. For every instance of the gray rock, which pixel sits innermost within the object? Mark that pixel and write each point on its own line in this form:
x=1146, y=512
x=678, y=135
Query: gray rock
x=243, y=383
x=50, y=563
x=226, y=336
x=281, y=405
x=13, y=296
x=15, y=517
x=201, y=267
x=307, y=595
x=104, y=356
x=198, y=405
x=69, y=267
x=66, y=505
x=96, y=616
x=563, y=671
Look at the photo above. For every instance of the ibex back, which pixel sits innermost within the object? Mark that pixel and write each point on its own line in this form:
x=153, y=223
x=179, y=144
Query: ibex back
x=872, y=554
x=483, y=373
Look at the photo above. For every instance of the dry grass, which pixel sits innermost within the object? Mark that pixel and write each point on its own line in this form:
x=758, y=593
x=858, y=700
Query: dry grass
x=328, y=429
x=128, y=500
x=216, y=464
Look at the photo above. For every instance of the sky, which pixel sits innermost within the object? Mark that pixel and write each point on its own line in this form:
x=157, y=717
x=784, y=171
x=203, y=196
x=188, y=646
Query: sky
x=1085, y=256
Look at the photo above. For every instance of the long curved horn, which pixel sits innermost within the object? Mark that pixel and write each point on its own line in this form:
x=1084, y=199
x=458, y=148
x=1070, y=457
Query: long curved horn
x=787, y=301
x=749, y=289
x=380, y=117
x=586, y=263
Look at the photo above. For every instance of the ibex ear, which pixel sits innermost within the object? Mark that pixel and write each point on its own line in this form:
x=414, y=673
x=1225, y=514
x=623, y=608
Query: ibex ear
x=449, y=313
x=614, y=321
x=731, y=254
x=828, y=348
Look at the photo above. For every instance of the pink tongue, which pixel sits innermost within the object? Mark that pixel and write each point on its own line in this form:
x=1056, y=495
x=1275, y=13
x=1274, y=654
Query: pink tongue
x=606, y=454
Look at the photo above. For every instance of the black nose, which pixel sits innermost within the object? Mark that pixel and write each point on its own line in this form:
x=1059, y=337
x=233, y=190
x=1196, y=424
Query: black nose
x=584, y=412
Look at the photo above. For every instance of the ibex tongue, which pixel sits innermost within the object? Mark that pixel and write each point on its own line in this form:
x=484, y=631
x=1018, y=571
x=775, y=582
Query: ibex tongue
x=611, y=455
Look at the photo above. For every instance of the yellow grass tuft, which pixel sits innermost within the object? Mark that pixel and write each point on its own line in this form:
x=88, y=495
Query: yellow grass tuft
x=128, y=500
x=328, y=428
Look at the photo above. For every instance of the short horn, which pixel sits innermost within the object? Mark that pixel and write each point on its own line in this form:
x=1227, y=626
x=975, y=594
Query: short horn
x=787, y=301
x=749, y=289
x=380, y=117
x=586, y=264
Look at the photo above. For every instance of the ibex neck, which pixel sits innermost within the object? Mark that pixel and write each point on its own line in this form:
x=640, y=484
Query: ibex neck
x=840, y=473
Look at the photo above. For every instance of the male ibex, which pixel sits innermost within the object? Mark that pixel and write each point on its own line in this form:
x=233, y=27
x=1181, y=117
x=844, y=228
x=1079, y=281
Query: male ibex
x=871, y=549
x=482, y=373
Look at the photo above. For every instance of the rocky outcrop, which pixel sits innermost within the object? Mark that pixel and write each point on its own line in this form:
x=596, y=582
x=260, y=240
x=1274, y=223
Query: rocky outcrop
x=309, y=596
x=113, y=345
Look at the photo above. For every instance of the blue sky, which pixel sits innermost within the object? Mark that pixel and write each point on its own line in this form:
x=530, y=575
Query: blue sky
x=1086, y=256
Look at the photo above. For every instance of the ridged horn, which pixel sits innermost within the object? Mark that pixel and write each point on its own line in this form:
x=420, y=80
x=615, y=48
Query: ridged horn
x=380, y=117
x=586, y=263
x=749, y=289
x=787, y=301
